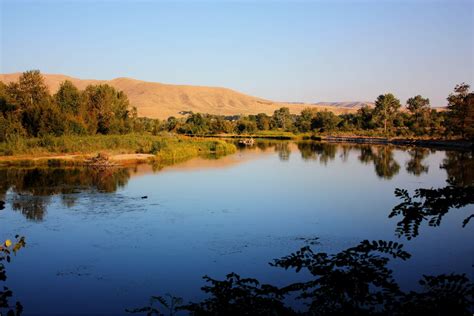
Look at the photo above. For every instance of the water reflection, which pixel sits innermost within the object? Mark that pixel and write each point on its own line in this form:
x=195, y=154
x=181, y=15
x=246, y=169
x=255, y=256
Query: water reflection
x=322, y=152
x=358, y=280
x=431, y=205
x=415, y=164
x=355, y=281
x=31, y=189
x=283, y=150
x=460, y=167
x=382, y=157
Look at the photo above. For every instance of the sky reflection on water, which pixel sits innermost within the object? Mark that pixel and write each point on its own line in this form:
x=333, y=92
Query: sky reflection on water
x=93, y=238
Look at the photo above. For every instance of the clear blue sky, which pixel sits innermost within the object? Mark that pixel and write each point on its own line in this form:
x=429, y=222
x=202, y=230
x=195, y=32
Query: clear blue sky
x=282, y=50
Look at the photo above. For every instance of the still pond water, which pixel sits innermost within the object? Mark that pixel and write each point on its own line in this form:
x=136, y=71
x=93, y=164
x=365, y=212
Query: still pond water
x=96, y=245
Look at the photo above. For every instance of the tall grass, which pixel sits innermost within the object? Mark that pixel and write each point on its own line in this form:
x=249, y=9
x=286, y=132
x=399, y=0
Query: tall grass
x=164, y=147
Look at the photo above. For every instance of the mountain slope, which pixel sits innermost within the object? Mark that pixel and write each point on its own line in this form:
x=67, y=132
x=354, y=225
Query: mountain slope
x=158, y=100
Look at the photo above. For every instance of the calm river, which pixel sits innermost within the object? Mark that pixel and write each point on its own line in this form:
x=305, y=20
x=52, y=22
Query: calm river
x=99, y=242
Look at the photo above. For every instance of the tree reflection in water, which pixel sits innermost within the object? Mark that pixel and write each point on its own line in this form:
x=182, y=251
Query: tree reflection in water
x=386, y=166
x=415, y=164
x=432, y=205
x=32, y=189
x=324, y=152
x=356, y=281
x=283, y=150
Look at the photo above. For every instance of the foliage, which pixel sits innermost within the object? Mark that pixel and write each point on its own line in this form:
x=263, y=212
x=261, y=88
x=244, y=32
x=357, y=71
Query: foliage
x=461, y=111
x=239, y=296
x=419, y=109
x=386, y=108
x=28, y=110
x=116, y=144
x=6, y=250
x=430, y=205
x=355, y=281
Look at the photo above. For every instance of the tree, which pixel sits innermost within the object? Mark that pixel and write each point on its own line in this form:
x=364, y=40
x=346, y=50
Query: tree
x=263, y=121
x=245, y=125
x=281, y=118
x=172, y=124
x=386, y=108
x=6, y=103
x=419, y=108
x=305, y=120
x=365, y=117
x=31, y=98
x=461, y=111
x=30, y=90
x=107, y=109
x=325, y=121
x=10, y=127
x=68, y=98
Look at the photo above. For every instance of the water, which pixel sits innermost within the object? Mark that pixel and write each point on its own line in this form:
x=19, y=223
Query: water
x=95, y=244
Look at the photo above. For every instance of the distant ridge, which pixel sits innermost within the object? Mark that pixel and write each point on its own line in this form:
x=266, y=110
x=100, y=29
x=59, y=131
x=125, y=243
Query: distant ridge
x=158, y=100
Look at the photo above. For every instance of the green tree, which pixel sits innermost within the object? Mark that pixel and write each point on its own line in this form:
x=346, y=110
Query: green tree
x=365, y=118
x=305, y=120
x=325, y=121
x=245, y=126
x=419, y=109
x=30, y=90
x=68, y=98
x=10, y=127
x=107, y=109
x=172, y=124
x=282, y=119
x=263, y=121
x=52, y=121
x=31, y=98
x=6, y=103
x=461, y=111
x=386, y=108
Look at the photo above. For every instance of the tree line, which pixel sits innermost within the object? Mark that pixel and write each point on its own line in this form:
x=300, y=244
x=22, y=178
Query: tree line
x=28, y=110
x=386, y=118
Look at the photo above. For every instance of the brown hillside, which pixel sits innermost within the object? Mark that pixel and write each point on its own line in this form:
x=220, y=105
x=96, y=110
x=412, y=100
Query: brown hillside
x=158, y=100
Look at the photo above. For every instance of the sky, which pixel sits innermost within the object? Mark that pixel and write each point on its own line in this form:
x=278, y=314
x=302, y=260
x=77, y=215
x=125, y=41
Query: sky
x=300, y=51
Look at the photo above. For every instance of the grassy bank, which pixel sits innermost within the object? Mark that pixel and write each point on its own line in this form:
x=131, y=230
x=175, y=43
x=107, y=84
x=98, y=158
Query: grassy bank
x=72, y=149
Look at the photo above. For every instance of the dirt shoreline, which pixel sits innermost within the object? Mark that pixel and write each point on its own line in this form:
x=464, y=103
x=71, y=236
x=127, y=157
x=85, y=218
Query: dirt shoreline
x=72, y=159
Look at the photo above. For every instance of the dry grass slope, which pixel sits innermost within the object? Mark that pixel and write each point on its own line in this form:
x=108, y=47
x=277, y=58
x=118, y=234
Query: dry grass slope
x=158, y=100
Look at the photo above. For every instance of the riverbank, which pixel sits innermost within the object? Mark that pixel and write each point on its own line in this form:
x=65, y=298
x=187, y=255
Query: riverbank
x=169, y=148
x=437, y=143
x=414, y=141
x=121, y=149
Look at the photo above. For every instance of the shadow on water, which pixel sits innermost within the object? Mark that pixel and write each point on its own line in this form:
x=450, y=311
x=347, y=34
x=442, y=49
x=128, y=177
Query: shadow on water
x=355, y=281
x=431, y=205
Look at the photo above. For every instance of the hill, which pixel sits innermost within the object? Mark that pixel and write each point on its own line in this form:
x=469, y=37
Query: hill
x=158, y=100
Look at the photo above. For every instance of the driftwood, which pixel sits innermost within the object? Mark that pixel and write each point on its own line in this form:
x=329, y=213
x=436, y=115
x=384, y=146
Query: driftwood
x=100, y=161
